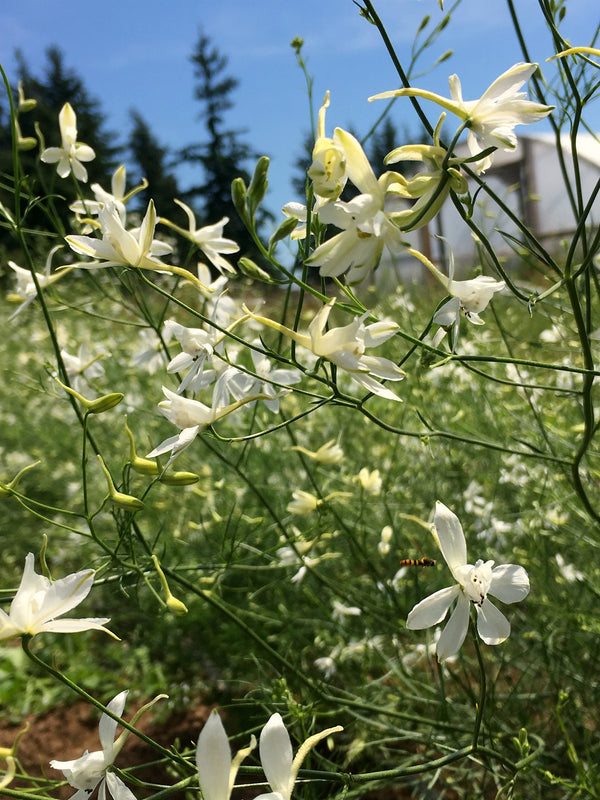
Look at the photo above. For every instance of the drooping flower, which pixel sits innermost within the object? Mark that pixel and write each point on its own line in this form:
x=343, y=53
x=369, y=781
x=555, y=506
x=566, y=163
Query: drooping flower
x=39, y=602
x=370, y=481
x=91, y=771
x=216, y=769
x=346, y=347
x=117, y=196
x=277, y=757
x=191, y=417
x=469, y=296
x=26, y=290
x=209, y=238
x=507, y=582
x=329, y=453
x=491, y=119
x=328, y=168
x=271, y=381
x=71, y=153
x=364, y=221
x=83, y=367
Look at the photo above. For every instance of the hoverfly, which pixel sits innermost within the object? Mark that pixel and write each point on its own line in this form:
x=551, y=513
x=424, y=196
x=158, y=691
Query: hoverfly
x=418, y=562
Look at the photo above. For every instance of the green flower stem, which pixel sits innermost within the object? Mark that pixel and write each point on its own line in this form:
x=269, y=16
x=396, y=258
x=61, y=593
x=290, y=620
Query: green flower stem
x=482, y=687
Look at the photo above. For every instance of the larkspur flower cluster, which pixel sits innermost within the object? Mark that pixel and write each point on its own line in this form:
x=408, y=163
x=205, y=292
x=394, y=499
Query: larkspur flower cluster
x=210, y=359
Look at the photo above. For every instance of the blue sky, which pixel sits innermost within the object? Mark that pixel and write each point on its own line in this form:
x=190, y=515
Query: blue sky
x=136, y=54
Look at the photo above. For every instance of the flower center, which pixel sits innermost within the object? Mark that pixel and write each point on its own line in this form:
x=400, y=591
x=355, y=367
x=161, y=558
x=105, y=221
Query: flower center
x=477, y=581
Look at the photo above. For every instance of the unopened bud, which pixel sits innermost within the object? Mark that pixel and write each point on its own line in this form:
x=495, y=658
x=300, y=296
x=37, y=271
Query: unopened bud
x=239, y=196
x=105, y=402
x=24, y=104
x=283, y=231
x=258, y=184
x=25, y=143
x=97, y=406
x=174, y=605
x=119, y=499
x=179, y=478
x=252, y=270
x=144, y=466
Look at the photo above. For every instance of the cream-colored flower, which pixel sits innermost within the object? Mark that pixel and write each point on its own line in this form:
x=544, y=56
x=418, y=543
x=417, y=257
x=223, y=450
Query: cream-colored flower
x=209, y=238
x=366, y=225
x=346, y=347
x=492, y=118
x=71, y=153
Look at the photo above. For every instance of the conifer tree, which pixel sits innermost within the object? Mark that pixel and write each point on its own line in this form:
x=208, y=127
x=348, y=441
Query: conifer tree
x=151, y=161
x=222, y=155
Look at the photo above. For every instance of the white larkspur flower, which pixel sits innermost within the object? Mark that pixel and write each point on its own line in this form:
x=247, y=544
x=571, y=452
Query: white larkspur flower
x=39, y=601
x=365, y=224
x=277, y=757
x=507, y=582
x=120, y=247
x=191, y=417
x=370, y=481
x=470, y=296
x=91, y=771
x=71, y=153
x=83, y=367
x=26, y=290
x=271, y=381
x=216, y=769
x=346, y=347
x=329, y=453
x=117, y=196
x=492, y=118
x=197, y=345
x=328, y=169
x=209, y=238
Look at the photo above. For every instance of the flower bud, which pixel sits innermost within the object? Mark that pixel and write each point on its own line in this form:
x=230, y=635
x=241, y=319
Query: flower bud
x=105, y=402
x=239, y=197
x=119, y=499
x=97, y=406
x=252, y=270
x=24, y=104
x=258, y=184
x=283, y=231
x=179, y=478
x=174, y=605
x=144, y=466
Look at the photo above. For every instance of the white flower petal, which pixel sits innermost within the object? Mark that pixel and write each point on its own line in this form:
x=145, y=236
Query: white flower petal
x=432, y=609
x=454, y=633
x=108, y=726
x=213, y=759
x=276, y=755
x=510, y=583
x=450, y=536
x=117, y=788
x=492, y=625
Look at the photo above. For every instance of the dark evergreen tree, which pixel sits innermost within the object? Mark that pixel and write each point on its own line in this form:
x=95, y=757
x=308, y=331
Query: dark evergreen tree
x=151, y=161
x=222, y=156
